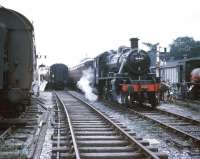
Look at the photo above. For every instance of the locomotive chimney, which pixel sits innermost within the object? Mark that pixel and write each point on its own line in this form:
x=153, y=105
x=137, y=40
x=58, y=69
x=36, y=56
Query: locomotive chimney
x=134, y=43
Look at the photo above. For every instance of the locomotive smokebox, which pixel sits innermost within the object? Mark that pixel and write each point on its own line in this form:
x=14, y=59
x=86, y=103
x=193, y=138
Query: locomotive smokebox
x=134, y=43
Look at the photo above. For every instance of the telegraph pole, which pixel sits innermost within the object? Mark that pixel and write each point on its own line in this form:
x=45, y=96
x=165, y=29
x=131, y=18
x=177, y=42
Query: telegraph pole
x=41, y=66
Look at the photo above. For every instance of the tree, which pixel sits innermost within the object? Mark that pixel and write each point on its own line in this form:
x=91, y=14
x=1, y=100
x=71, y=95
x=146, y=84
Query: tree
x=197, y=44
x=185, y=46
x=182, y=46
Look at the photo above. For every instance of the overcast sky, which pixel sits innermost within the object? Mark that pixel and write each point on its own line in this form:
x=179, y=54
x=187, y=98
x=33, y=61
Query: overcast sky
x=68, y=30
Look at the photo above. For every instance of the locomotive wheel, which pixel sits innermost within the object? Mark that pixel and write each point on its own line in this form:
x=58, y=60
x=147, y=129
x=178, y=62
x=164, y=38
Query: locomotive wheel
x=106, y=94
x=124, y=98
x=153, y=100
x=103, y=93
x=139, y=98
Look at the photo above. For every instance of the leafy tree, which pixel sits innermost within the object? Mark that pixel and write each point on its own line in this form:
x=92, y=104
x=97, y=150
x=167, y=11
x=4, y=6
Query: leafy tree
x=197, y=44
x=181, y=46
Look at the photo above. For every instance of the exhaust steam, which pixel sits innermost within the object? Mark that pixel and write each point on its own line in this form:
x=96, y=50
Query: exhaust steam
x=85, y=84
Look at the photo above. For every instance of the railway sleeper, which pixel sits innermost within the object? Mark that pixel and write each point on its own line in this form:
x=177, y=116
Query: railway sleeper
x=91, y=126
x=61, y=127
x=103, y=137
x=86, y=119
x=56, y=121
x=62, y=133
x=120, y=155
x=99, y=137
x=115, y=155
x=74, y=115
x=62, y=122
x=191, y=128
x=61, y=149
x=180, y=124
x=63, y=156
x=92, y=133
x=61, y=143
x=26, y=130
x=88, y=123
x=54, y=137
x=15, y=145
x=113, y=149
x=9, y=155
x=22, y=137
x=93, y=129
x=103, y=149
x=105, y=143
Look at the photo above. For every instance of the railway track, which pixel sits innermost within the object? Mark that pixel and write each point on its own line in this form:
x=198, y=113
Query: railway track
x=90, y=134
x=20, y=137
x=184, y=126
x=4, y=132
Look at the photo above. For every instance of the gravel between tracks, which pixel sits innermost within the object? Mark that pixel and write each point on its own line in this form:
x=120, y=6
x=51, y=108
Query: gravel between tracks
x=174, y=146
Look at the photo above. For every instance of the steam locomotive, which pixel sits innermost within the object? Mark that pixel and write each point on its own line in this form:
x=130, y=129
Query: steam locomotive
x=58, y=77
x=17, y=57
x=122, y=76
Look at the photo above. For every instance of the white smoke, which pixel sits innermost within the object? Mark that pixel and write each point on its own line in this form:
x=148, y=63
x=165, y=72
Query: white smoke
x=84, y=84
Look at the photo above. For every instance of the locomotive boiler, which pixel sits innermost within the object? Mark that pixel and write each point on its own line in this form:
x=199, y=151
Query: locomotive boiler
x=17, y=57
x=124, y=76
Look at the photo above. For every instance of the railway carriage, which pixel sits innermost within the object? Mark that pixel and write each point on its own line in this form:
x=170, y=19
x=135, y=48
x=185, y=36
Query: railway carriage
x=75, y=72
x=58, y=78
x=17, y=57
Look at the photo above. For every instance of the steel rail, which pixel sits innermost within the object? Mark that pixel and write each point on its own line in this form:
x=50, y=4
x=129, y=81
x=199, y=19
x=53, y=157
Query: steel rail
x=58, y=139
x=5, y=132
x=196, y=140
x=76, y=150
x=179, y=116
x=143, y=115
x=119, y=129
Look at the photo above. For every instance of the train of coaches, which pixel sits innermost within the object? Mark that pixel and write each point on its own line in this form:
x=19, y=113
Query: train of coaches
x=121, y=75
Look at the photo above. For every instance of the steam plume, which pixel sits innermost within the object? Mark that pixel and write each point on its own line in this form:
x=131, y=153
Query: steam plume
x=85, y=84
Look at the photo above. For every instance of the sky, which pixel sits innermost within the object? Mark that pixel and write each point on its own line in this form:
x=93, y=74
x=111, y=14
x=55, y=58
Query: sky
x=70, y=30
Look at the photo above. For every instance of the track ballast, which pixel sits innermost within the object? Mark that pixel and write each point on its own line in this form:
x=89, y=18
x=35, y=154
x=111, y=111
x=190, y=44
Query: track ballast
x=93, y=135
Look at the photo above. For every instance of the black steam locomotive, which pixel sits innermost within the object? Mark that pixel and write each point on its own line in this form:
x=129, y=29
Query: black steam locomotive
x=123, y=75
x=17, y=57
x=58, y=77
